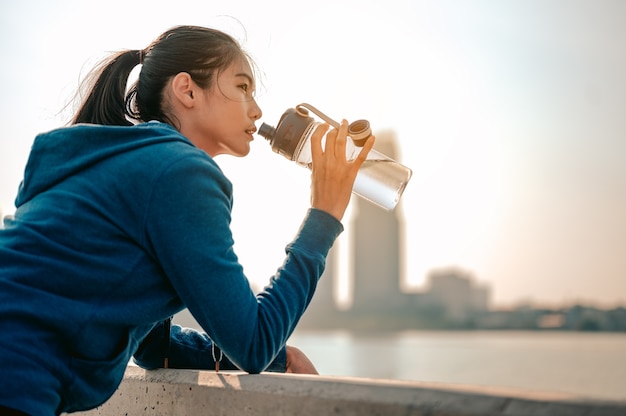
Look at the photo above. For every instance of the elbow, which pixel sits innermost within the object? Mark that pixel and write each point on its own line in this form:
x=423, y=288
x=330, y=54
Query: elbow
x=253, y=366
x=273, y=363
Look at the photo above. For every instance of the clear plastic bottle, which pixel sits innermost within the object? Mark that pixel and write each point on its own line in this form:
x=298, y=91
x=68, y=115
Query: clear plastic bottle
x=381, y=180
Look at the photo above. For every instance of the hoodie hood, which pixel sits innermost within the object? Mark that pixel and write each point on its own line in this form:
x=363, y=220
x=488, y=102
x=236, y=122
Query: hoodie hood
x=64, y=152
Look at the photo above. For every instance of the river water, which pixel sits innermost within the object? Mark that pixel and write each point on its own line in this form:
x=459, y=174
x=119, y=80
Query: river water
x=591, y=365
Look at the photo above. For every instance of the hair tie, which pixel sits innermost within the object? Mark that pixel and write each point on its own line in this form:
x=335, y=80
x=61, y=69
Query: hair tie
x=141, y=56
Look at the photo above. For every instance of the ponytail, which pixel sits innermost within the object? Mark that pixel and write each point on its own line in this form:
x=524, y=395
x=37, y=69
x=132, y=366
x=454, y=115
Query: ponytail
x=200, y=52
x=106, y=84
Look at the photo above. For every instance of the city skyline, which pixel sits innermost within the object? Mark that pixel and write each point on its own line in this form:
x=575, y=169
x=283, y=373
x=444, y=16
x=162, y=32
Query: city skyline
x=509, y=113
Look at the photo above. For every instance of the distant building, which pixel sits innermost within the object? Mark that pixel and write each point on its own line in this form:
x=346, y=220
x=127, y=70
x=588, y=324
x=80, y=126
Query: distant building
x=455, y=292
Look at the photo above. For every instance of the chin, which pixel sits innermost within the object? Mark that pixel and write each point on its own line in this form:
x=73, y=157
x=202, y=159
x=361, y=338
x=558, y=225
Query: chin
x=243, y=152
x=238, y=152
x=231, y=151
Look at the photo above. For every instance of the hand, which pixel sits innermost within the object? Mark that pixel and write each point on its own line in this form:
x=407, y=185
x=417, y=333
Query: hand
x=332, y=174
x=298, y=362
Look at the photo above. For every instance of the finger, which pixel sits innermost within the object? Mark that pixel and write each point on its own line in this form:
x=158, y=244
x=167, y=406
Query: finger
x=316, y=140
x=362, y=156
x=331, y=138
x=340, y=141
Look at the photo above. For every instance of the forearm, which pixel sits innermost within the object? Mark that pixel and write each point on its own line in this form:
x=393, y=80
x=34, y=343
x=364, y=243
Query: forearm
x=187, y=348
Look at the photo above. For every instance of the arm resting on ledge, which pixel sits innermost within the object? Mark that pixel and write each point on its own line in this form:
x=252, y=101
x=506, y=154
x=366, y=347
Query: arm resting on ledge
x=187, y=348
x=191, y=349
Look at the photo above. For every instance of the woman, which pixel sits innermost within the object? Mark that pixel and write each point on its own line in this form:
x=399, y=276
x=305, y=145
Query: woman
x=120, y=224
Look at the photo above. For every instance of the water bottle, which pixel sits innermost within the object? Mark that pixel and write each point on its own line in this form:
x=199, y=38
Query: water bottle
x=381, y=180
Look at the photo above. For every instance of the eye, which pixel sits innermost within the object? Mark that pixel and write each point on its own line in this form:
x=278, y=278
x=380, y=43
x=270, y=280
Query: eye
x=247, y=90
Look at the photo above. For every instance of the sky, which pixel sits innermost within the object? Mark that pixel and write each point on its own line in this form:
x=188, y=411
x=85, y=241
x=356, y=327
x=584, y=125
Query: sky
x=511, y=115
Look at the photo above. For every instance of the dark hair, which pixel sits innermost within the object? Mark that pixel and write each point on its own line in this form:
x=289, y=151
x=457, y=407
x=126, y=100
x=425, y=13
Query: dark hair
x=201, y=52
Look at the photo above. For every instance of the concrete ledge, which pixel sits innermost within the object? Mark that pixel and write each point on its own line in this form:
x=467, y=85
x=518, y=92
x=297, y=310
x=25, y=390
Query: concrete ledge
x=191, y=392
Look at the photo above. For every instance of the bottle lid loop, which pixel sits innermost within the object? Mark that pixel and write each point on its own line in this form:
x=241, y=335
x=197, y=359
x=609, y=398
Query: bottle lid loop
x=359, y=130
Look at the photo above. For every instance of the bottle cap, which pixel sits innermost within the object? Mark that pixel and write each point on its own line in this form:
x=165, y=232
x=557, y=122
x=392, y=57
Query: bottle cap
x=360, y=131
x=286, y=137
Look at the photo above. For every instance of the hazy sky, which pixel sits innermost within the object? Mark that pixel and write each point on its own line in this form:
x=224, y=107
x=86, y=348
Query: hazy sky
x=512, y=115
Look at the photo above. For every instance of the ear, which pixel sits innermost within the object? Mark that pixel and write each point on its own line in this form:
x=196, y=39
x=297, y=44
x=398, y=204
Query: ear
x=184, y=89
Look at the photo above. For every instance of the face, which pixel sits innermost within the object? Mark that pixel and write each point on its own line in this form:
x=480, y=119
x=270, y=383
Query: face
x=225, y=115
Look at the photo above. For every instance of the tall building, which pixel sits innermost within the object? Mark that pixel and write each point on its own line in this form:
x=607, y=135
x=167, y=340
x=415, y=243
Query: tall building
x=377, y=248
x=374, y=257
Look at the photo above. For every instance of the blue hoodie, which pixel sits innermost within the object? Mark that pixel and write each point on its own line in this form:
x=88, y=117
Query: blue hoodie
x=116, y=229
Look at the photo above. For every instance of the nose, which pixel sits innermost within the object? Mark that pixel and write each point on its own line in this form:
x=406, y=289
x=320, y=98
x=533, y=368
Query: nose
x=255, y=111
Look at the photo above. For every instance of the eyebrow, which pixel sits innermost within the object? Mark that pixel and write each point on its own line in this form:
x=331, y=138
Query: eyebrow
x=247, y=76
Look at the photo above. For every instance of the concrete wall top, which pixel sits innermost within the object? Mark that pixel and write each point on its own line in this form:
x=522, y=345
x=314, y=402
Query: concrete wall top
x=191, y=392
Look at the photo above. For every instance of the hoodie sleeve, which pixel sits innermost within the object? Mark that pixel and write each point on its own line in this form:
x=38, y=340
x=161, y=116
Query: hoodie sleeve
x=188, y=348
x=188, y=231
